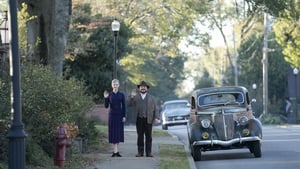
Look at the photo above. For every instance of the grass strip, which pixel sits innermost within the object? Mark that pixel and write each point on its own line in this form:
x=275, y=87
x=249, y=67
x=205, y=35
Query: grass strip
x=160, y=133
x=173, y=157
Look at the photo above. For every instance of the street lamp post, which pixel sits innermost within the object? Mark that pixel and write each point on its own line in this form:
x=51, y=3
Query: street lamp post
x=254, y=86
x=295, y=72
x=115, y=26
x=16, y=133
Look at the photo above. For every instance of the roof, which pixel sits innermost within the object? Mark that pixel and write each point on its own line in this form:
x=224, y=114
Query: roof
x=219, y=89
x=176, y=101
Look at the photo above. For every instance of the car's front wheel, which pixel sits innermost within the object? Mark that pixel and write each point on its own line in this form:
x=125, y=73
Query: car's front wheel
x=164, y=127
x=256, y=149
x=196, y=153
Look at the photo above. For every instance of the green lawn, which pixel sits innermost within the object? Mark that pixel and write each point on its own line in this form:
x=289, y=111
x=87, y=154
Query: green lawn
x=173, y=157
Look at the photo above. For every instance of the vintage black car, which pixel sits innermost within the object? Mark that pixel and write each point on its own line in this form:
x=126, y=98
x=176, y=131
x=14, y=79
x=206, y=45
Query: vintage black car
x=221, y=118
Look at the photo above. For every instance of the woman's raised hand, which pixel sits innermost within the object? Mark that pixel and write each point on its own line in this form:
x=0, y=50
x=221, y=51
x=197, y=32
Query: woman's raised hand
x=105, y=94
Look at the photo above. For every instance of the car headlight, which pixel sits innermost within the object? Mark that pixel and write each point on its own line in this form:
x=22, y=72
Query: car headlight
x=163, y=114
x=243, y=120
x=205, y=123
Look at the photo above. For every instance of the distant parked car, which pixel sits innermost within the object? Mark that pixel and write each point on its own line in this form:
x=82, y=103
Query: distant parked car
x=175, y=112
x=222, y=118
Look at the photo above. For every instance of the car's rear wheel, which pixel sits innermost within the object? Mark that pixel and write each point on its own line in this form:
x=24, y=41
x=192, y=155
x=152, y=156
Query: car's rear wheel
x=256, y=149
x=196, y=152
x=164, y=127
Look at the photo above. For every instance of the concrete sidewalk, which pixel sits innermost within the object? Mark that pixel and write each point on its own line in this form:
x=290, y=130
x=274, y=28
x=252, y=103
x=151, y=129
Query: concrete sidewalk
x=128, y=150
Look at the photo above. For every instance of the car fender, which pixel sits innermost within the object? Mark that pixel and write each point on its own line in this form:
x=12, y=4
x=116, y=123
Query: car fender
x=255, y=127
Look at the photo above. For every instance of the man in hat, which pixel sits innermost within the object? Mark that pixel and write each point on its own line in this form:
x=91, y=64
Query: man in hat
x=146, y=114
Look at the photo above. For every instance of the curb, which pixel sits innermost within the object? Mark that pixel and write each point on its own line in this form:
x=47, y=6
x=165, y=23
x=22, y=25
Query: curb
x=190, y=158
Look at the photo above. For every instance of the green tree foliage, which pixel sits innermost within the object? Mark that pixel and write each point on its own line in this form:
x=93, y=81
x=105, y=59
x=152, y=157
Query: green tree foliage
x=91, y=49
x=157, y=30
x=217, y=15
x=26, y=49
x=205, y=81
x=288, y=36
x=286, y=26
x=147, y=45
x=250, y=68
x=274, y=7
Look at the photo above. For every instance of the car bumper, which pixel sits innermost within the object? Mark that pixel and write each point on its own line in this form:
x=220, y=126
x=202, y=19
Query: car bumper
x=228, y=143
x=175, y=122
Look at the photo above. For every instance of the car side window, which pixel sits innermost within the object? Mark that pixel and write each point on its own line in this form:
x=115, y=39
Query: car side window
x=239, y=98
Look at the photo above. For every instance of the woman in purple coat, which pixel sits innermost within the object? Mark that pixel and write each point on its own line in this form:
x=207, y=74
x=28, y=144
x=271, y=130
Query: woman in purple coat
x=115, y=100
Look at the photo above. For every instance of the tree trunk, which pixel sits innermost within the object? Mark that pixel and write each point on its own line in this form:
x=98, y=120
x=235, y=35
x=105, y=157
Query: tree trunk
x=51, y=28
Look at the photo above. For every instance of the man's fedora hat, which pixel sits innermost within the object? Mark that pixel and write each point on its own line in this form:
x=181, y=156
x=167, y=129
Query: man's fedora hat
x=143, y=83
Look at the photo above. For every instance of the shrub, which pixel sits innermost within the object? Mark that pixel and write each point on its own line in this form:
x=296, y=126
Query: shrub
x=4, y=114
x=271, y=119
x=47, y=101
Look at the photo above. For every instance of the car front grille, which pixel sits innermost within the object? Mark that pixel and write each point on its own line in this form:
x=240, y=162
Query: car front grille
x=224, y=125
x=176, y=118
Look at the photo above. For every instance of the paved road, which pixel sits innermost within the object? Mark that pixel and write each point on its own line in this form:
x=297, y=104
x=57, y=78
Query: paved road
x=280, y=150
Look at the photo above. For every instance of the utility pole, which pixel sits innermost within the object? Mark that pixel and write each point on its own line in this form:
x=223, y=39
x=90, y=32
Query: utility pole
x=265, y=65
x=235, y=59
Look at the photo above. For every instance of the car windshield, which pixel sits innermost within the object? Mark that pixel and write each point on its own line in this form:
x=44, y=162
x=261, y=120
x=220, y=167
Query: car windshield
x=220, y=99
x=176, y=105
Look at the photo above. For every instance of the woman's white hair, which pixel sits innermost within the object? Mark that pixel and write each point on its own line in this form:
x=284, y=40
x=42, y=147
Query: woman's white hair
x=114, y=81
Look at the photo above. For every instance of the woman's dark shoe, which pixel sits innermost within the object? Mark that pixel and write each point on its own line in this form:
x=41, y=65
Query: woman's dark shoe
x=118, y=154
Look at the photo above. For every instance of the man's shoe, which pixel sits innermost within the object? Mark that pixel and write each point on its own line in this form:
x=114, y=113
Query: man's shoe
x=139, y=155
x=149, y=155
x=114, y=155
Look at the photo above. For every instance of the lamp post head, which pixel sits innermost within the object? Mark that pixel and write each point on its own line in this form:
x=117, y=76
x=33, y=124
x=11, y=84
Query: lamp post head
x=295, y=71
x=254, y=86
x=115, y=26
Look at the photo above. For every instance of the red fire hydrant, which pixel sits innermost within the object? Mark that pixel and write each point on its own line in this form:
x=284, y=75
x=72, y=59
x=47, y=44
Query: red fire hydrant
x=61, y=143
